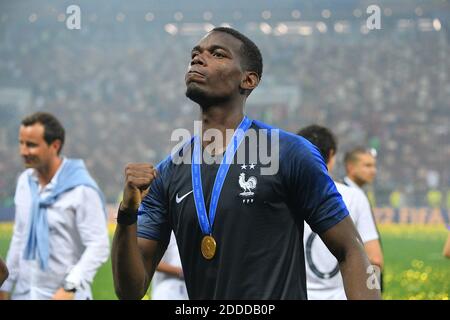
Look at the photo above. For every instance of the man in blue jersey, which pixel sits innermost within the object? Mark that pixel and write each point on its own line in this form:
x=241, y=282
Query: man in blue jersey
x=239, y=232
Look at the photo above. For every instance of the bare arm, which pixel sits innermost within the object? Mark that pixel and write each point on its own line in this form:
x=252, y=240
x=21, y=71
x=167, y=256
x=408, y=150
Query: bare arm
x=345, y=244
x=446, y=251
x=3, y=272
x=170, y=269
x=374, y=253
x=134, y=260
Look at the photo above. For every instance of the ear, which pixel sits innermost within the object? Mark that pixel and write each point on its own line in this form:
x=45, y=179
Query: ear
x=349, y=167
x=56, y=145
x=331, y=154
x=331, y=161
x=249, y=81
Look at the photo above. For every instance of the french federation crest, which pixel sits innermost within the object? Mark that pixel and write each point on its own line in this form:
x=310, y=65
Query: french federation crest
x=248, y=185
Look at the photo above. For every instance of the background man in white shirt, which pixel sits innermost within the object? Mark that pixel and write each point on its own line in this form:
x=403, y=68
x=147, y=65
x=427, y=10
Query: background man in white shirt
x=361, y=169
x=60, y=236
x=168, y=282
x=324, y=281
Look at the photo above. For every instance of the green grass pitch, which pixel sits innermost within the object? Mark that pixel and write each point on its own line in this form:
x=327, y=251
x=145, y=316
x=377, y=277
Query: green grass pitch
x=414, y=265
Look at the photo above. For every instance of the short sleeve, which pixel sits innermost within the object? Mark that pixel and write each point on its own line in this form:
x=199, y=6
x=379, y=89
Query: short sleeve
x=364, y=222
x=313, y=196
x=153, y=221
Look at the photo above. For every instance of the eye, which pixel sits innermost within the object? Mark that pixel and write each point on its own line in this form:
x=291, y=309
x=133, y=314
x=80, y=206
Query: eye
x=218, y=54
x=193, y=54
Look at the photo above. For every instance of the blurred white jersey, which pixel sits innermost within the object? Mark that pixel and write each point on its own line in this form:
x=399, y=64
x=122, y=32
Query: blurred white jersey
x=167, y=287
x=323, y=278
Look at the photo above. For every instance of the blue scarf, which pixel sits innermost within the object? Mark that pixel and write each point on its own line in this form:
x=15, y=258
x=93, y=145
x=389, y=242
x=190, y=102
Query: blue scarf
x=73, y=174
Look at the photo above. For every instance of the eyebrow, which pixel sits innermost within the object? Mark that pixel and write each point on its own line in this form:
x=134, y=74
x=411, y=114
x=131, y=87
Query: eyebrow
x=27, y=142
x=211, y=48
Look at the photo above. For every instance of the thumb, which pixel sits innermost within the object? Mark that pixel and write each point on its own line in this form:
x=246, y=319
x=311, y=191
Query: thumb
x=144, y=193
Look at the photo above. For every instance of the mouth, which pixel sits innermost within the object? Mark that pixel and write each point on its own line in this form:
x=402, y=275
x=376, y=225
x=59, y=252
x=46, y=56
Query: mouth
x=195, y=76
x=194, y=72
x=27, y=160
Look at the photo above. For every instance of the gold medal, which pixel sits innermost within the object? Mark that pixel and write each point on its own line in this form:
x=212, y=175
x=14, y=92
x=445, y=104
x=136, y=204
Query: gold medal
x=208, y=247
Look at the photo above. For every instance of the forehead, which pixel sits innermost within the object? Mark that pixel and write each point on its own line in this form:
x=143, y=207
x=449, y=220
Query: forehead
x=365, y=157
x=221, y=39
x=34, y=131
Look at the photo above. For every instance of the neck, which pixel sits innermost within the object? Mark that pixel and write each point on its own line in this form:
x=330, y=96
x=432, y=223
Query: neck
x=46, y=174
x=357, y=181
x=221, y=118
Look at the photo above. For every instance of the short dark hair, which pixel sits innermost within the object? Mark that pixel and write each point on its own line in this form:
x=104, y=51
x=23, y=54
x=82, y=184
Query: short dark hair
x=250, y=53
x=53, y=130
x=322, y=138
x=352, y=155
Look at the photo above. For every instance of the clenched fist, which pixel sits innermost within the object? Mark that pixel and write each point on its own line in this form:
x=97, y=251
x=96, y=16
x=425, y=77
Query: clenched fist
x=138, y=177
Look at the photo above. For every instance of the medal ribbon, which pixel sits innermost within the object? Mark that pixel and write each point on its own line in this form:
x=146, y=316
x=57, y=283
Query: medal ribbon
x=199, y=200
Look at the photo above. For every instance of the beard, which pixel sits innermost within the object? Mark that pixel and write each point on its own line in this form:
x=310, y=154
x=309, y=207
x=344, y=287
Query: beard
x=194, y=93
x=203, y=98
x=31, y=162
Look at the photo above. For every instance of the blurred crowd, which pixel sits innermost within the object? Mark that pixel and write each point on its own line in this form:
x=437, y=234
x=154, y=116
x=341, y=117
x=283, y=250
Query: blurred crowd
x=119, y=92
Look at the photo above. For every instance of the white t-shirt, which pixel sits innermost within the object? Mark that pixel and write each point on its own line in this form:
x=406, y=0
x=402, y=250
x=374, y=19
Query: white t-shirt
x=323, y=278
x=165, y=286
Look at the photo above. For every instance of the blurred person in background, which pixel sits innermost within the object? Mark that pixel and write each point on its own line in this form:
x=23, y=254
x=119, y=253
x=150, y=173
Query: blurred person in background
x=447, y=201
x=446, y=251
x=324, y=281
x=60, y=236
x=396, y=199
x=434, y=198
x=361, y=169
x=3, y=271
x=168, y=281
x=360, y=166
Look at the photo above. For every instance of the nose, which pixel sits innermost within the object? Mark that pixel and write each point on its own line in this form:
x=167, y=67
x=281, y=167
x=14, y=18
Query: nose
x=198, y=59
x=23, y=150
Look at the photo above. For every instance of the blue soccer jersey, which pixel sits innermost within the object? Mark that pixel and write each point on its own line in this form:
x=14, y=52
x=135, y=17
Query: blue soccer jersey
x=258, y=225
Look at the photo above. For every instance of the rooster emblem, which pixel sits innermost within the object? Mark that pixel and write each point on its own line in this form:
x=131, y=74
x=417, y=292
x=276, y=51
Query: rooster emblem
x=248, y=185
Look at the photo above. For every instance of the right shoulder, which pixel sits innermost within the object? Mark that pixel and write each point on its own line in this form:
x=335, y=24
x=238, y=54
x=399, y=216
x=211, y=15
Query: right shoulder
x=165, y=168
x=182, y=155
x=357, y=203
x=23, y=177
x=348, y=193
x=165, y=165
x=22, y=187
